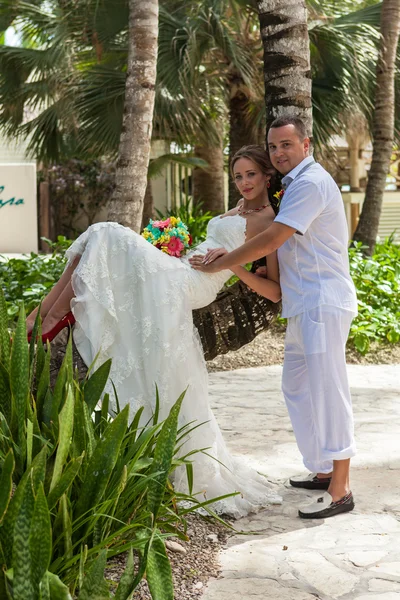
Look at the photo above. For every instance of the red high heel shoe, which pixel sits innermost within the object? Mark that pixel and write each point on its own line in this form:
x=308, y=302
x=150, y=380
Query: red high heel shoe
x=67, y=321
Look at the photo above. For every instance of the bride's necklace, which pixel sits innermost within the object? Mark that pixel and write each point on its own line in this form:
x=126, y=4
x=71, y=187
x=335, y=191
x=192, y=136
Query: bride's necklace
x=251, y=210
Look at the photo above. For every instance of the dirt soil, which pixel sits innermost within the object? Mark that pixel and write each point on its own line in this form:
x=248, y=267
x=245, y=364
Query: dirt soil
x=192, y=565
x=267, y=349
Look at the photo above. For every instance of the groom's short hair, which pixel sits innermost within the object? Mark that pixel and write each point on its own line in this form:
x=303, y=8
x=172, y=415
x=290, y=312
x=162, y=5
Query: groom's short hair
x=298, y=124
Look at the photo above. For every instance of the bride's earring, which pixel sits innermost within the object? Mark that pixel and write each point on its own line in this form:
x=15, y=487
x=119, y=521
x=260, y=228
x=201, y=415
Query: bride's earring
x=268, y=184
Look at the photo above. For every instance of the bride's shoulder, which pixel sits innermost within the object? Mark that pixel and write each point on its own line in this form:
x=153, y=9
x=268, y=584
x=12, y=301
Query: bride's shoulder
x=232, y=211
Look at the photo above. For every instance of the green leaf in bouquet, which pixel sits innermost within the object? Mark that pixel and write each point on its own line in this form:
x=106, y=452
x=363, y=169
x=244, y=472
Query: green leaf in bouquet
x=6, y=483
x=163, y=454
x=19, y=378
x=158, y=571
x=65, y=429
x=40, y=538
x=95, y=385
x=94, y=585
x=102, y=463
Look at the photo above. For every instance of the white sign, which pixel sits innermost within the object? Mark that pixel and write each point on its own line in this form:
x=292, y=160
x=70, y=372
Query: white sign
x=18, y=208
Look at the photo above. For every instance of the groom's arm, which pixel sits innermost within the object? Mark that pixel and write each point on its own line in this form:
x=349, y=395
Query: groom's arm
x=261, y=245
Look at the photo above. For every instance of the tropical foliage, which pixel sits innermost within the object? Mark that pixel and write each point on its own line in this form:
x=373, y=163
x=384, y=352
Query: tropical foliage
x=78, y=487
x=377, y=280
x=65, y=86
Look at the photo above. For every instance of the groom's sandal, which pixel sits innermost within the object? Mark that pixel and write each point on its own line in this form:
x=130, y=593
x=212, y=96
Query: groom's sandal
x=324, y=507
x=310, y=482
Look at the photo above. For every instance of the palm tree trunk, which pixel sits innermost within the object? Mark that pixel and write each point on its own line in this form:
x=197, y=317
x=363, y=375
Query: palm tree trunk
x=382, y=126
x=287, y=76
x=208, y=184
x=148, y=205
x=126, y=204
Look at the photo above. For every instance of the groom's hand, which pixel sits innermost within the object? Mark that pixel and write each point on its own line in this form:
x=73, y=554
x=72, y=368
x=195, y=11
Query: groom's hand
x=197, y=263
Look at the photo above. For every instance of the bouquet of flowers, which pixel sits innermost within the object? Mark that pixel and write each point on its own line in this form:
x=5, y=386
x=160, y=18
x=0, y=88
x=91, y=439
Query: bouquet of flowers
x=170, y=236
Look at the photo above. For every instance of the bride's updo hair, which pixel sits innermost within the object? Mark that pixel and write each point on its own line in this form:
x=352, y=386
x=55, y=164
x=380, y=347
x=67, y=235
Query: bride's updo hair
x=260, y=157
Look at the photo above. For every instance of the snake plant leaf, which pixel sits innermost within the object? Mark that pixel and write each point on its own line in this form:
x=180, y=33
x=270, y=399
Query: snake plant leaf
x=70, y=472
x=40, y=537
x=19, y=377
x=58, y=590
x=39, y=469
x=125, y=586
x=40, y=358
x=158, y=571
x=94, y=585
x=67, y=527
x=43, y=387
x=10, y=517
x=65, y=429
x=24, y=585
x=44, y=588
x=95, y=385
x=51, y=412
x=5, y=393
x=79, y=444
x=163, y=454
x=37, y=326
x=6, y=483
x=102, y=463
x=157, y=407
x=4, y=335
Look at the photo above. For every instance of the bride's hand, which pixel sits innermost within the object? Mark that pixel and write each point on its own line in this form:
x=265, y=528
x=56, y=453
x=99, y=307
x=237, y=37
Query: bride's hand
x=213, y=254
x=262, y=272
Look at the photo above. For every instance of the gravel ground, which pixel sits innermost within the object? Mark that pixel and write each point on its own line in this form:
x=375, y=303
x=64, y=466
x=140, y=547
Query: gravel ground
x=193, y=562
x=267, y=349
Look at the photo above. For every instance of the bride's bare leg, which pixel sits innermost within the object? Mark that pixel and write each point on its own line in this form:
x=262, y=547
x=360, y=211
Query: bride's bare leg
x=52, y=296
x=59, y=309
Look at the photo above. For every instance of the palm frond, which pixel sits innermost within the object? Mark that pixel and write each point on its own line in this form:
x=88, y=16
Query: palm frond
x=157, y=165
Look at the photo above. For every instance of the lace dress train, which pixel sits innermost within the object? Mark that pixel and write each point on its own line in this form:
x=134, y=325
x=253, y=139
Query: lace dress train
x=133, y=303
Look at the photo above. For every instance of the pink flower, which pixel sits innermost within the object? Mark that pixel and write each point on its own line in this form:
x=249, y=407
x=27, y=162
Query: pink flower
x=161, y=224
x=175, y=247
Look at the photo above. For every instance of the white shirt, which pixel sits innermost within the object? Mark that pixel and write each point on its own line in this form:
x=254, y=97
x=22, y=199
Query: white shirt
x=314, y=263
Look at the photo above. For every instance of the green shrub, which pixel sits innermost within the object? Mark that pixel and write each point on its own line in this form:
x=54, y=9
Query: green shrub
x=77, y=487
x=377, y=280
x=31, y=278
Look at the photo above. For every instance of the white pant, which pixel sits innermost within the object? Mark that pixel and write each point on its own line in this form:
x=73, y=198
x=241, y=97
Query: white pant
x=315, y=386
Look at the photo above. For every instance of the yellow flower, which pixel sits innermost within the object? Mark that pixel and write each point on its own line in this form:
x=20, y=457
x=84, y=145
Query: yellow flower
x=173, y=221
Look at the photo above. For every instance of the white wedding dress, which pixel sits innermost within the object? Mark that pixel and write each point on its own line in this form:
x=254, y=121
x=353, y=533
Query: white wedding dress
x=133, y=303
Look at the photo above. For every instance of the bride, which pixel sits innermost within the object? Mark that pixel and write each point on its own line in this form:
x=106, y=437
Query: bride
x=133, y=303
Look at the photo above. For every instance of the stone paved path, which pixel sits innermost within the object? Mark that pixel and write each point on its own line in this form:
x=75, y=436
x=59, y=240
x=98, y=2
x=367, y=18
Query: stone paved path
x=352, y=556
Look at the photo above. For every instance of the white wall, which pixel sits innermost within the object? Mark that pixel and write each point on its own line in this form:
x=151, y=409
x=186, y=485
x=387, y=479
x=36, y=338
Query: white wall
x=18, y=208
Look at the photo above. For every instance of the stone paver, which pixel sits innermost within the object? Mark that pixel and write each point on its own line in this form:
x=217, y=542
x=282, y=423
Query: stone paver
x=354, y=556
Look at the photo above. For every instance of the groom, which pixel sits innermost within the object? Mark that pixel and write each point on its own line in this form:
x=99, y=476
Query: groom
x=319, y=302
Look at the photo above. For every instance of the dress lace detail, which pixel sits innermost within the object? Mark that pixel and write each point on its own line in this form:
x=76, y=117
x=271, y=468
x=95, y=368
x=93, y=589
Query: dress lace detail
x=134, y=304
